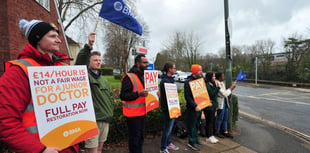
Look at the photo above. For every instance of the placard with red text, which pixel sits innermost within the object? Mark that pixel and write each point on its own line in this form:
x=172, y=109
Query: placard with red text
x=200, y=93
x=172, y=100
x=63, y=105
x=151, y=85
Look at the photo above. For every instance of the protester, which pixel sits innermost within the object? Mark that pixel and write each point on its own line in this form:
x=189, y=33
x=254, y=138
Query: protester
x=221, y=123
x=133, y=96
x=193, y=112
x=18, y=127
x=209, y=112
x=168, y=70
x=101, y=92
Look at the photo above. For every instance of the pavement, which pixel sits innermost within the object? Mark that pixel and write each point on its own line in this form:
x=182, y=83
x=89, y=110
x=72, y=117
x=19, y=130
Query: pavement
x=152, y=145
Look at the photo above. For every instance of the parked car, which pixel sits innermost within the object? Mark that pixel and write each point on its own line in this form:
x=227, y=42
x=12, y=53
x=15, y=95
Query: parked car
x=189, y=73
x=116, y=71
x=175, y=75
x=204, y=74
x=181, y=76
x=159, y=73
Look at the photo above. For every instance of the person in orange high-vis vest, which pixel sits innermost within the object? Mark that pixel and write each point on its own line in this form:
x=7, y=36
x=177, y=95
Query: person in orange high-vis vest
x=18, y=127
x=133, y=96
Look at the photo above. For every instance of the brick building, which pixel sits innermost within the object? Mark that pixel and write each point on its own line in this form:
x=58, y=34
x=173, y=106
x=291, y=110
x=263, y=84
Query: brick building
x=11, y=11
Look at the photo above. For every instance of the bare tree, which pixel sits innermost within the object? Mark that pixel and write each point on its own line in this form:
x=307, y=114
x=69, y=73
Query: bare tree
x=184, y=49
x=192, y=48
x=161, y=59
x=221, y=61
x=82, y=12
x=174, y=49
x=119, y=41
x=263, y=50
x=78, y=10
x=296, y=49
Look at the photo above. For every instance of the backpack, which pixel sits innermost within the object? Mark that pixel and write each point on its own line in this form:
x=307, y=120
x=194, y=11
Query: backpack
x=202, y=128
x=180, y=128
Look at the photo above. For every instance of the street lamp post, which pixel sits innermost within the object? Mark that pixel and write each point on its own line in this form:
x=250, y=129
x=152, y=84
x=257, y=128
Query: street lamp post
x=228, y=72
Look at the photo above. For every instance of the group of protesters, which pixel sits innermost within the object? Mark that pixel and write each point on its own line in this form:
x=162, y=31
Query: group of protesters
x=216, y=115
x=18, y=127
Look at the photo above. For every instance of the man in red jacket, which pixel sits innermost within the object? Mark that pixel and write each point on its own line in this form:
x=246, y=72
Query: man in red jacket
x=18, y=129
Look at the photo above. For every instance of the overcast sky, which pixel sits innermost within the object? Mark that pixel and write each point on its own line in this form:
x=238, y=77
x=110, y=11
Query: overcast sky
x=251, y=20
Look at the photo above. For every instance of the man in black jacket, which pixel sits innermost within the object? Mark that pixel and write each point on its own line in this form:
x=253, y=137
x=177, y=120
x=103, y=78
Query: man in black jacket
x=133, y=96
x=193, y=112
x=168, y=70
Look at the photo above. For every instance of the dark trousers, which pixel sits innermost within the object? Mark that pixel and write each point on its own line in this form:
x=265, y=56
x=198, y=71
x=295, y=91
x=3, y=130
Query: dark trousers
x=136, y=128
x=193, y=121
x=209, y=116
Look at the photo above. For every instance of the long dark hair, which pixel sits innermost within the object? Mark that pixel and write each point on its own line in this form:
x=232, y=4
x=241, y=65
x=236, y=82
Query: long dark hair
x=208, y=78
x=218, y=75
x=167, y=66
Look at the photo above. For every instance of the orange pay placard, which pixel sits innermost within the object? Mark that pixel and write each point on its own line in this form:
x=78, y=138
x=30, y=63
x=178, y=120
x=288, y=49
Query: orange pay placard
x=172, y=100
x=151, y=85
x=200, y=93
x=63, y=105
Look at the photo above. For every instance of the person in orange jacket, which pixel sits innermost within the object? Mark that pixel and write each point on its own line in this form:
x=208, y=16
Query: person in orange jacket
x=18, y=127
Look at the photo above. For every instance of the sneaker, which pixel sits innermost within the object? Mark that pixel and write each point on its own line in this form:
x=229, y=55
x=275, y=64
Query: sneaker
x=219, y=135
x=211, y=139
x=164, y=151
x=172, y=147
x=228, y=135
x=214, y=138
x=193, y=147
x=198, y=144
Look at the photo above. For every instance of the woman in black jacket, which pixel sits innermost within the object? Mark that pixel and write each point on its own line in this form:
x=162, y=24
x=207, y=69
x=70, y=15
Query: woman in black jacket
x=209, y=112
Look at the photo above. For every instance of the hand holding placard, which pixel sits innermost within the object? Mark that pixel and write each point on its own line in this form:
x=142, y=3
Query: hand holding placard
x=200, y=93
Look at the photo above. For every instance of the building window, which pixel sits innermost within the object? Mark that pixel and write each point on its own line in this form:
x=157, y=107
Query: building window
x=45, y=4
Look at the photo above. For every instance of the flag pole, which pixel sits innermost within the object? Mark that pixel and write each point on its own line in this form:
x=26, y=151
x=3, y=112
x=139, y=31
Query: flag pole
x=96, y=24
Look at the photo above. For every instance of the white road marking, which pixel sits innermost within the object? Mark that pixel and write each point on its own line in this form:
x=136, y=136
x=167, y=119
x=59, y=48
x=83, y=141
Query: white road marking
x=274, y=99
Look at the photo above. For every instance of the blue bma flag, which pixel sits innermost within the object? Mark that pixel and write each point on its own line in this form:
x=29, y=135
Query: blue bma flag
x=118, y=12
x=241, y=76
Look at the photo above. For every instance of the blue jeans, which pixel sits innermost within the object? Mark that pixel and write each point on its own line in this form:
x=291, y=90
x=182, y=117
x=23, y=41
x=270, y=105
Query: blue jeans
x=168, y=124
x=222, y=118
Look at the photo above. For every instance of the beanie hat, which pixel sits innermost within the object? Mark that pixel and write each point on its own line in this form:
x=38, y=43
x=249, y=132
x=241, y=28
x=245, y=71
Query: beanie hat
x=35, y=30
x=195, y=68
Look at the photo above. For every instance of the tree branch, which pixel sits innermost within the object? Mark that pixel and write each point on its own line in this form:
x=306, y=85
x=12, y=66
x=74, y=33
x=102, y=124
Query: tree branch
x=74, y=18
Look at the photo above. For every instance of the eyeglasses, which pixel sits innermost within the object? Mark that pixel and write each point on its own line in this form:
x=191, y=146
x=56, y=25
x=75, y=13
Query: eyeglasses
x=144, y=62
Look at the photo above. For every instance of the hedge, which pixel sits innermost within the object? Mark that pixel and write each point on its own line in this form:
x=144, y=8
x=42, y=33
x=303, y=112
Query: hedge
x=118, y=128
x=107, y=71
x=118, y=77
x=154, y=121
